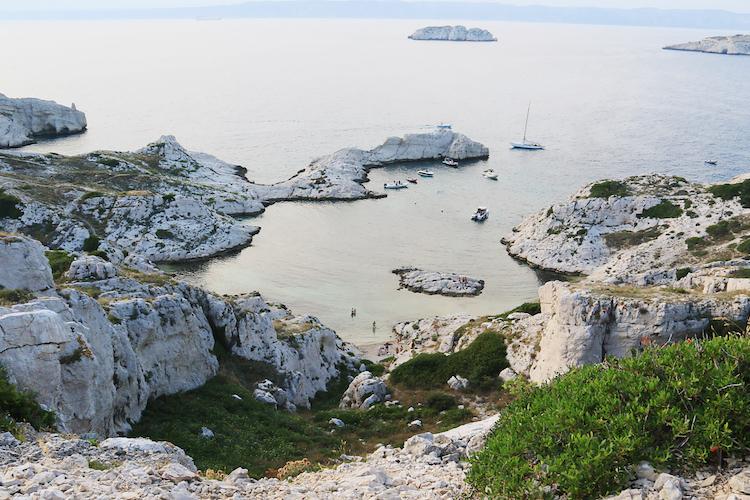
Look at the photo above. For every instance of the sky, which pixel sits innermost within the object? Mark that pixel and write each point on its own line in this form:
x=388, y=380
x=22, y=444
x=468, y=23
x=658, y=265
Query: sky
x=25, y=5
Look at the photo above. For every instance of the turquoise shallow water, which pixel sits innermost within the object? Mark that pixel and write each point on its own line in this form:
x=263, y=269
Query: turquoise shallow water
x=273, y=94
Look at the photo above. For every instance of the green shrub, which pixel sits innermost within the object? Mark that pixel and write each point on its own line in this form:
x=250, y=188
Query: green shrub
x=10, y=206
x=682, y=272
x=695, y=243
x=91, y=244
x=12, y=296
x=480, y=362
x=625, y=239
x=59, y=261
x=741, y=273
x=91, y=194
x=374, y=368
x=744, y=246
x=664, y=210
x=677, y=407
x=723, y=229
x=729, y=191
x=440, y=401
x=605, y=189
x=164, y=234
x=18, y=406
x=101, y=254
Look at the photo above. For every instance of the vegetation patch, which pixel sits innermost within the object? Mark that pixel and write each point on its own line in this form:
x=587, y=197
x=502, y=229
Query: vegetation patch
x=10, y=206
x=744, y=247
x=18, y=406
x=664, y=210
x=626, y=239
x=724, y=229
x=678, y=407
x=727, y=192
x=91, y=244
x=59, y=261
x=13, y=296
x=741, y=273
x=682, y=272
x=606, y=189
x=480, y=362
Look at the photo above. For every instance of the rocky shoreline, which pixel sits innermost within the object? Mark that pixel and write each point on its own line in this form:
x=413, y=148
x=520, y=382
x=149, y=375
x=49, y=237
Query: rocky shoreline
x=24, y=120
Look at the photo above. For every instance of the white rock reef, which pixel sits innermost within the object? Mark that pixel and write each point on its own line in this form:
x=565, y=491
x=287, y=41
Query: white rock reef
x=737, y=45
x=453, y=34
x=24, y=120
x=438, y=283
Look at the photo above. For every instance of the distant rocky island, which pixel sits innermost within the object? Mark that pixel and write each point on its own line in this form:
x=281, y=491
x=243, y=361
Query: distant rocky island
x=453, y=34
x=737, y=45
x=22, y=121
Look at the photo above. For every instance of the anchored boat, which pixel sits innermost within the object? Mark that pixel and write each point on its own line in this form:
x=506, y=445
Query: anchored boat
x=480, y=215
x=526, y=144
x=490, y=174
x=450, y=162
x=425, y=173
x=395, y=185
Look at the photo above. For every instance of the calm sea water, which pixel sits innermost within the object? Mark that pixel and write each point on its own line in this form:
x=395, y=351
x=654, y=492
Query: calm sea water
x=273, y=94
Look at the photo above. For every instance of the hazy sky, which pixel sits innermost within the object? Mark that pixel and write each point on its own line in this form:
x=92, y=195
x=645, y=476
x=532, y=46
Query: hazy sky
x=735, y=5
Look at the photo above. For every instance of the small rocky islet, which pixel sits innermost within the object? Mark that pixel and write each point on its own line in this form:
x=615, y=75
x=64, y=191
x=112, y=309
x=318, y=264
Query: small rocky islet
x=96, y=332
x=456, y=33
x=438, y=283
x=736, y=45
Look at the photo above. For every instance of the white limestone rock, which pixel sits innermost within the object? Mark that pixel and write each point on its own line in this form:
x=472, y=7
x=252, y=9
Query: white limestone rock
x=23, y=264
x=737, y=45
x=23, y=120
x=458, y=383
x=438, y=283
x=364, y=391
x=453, y=33
x=89, y=267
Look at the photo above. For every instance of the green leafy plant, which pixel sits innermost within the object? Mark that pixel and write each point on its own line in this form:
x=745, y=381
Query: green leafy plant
x=480, y=362
x=59, y=261
x=12, y=296
x=10, y=206
x=440, y=401
x=678, y=407
x=739, y=190
x=91, y=244
x=625, y=239
x=605, y=189
x=664, y=210
x=19, y=406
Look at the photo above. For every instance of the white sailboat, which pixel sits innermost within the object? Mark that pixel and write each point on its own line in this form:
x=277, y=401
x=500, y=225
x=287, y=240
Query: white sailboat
x=526, y=144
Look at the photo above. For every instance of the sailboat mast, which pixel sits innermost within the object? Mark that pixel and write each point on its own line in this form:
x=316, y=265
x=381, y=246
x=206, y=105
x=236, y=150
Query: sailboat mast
x=526, y=127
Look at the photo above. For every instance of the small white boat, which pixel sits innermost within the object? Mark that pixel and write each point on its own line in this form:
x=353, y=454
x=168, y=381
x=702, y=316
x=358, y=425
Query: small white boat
x=490, y=174
x=526, y=144
x=711, y=162
x=450, y=162
x=480, y=215
x=395, y=185
x=425, y=173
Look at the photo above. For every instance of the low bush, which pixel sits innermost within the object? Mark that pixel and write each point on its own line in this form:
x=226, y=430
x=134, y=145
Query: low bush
x=664, y=210
x=440, y=401
x=678, y=407
x=744, y=246
x=695, y=243
x=10, y=206
x=741, y=273
x=480, y=362
x=682, y=272
x=723, y=229
x=19, y=406
x=12, y=296
x=59, y=261
x=625, y=239
x=376, y=369
x=739, y=190
x=605, y=189
x=91, y=244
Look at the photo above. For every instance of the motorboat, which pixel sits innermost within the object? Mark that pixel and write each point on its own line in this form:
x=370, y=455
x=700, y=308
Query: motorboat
x=395, y=185
x=480, y=215
x=450, y=162
x=711, y=162
x=425, y=173
x=490, y=174
x=444, y=126
x=412, y=180
x=526, y=144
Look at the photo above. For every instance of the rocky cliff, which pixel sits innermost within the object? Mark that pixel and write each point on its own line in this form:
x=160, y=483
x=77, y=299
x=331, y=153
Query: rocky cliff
x=453, y=34
x=24, y=120
x=98, y=346
x=737, y=45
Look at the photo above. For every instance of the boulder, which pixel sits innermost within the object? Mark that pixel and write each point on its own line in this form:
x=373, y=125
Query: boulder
x=364, y=391
x=458, y=383
x=89, y=267
x=23, y=264
x=23, y=120
x=206, y=433
x=336, y=422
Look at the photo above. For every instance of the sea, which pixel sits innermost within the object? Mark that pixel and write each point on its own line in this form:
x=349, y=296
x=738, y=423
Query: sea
x=274, y=94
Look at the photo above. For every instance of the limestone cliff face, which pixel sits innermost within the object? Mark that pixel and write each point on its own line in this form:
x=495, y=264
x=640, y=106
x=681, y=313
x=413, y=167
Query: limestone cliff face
x=97, y=362
x=581, y=325
x=23, y=120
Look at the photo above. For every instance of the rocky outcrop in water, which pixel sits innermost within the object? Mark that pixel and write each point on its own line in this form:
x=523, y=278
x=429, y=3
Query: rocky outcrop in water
x=438, y=283
x=453, y=34
x=95, y=351
x=737, y=45
x=22, y=121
